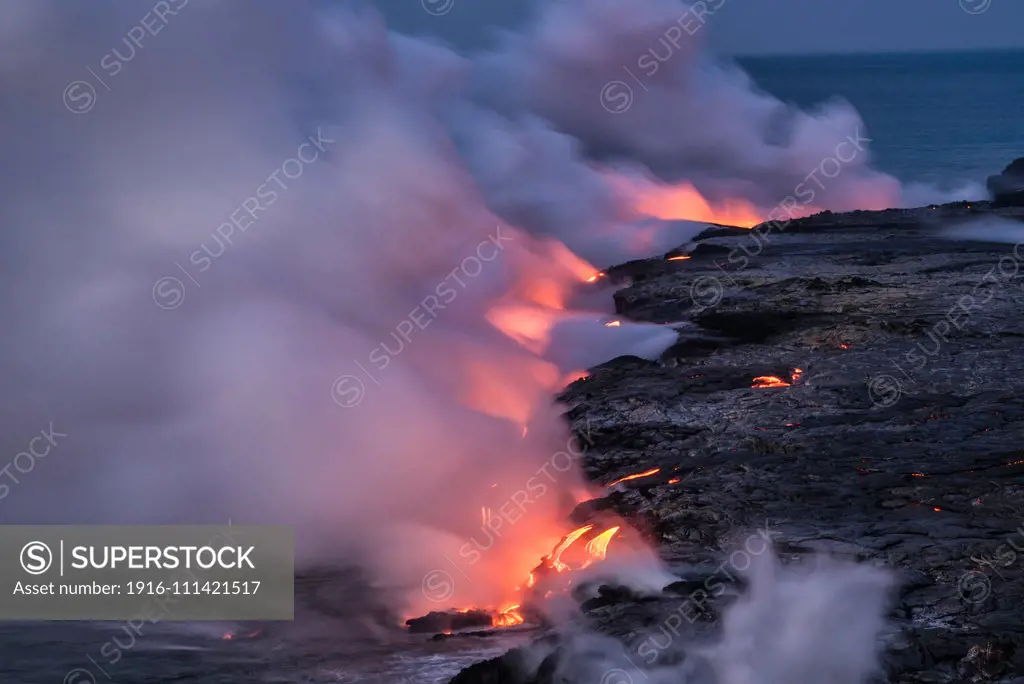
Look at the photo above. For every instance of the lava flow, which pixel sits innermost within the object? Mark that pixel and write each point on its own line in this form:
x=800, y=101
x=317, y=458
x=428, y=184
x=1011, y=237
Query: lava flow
x=683, y=201
x=547, y=579
x=765, y=381
x=596, y=549
x=635, y=476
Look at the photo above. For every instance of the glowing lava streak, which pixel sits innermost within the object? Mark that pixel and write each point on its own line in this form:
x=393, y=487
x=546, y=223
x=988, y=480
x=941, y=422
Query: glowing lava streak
x=763, y=381
x=613, y=324
x=534, y=305
x=635, y=476
x=598, y=546
x=678, y=258
x=508, y=617
x=556, y=555
x=573, y=377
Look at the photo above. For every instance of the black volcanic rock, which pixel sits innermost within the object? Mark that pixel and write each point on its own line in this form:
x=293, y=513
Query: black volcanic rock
x=898, y=444
x=448, y=621
x=507, y=669
x=1007, y=188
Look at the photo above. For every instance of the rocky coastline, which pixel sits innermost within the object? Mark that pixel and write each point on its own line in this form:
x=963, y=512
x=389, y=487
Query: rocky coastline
x=893, y=436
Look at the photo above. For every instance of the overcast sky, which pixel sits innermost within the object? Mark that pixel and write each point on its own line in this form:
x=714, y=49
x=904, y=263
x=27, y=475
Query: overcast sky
x=773, y=26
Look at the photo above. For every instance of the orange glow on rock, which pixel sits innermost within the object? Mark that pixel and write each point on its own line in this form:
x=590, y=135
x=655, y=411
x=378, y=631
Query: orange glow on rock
x=683, y=201
x=508, y=617
x=567, y=541
x=763, y=381
x=598, y=546
x=635, y=476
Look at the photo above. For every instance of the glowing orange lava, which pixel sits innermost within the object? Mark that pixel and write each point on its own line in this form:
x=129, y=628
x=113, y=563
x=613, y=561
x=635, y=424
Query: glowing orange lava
x=574, y=376
x=567, y=541
x=508, y=617
x=613, y=324
x=635, y=476
x=678, y=258
x=537, y=301
x=763, y=381
x=550, y=567
x=683, y=201
x=598, y=546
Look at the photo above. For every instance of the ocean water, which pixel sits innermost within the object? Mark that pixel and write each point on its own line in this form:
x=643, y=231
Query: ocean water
x=940, y=118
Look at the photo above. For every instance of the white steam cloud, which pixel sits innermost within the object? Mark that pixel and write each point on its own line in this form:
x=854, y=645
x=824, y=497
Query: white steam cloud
x=251, y=249
x=822, y=621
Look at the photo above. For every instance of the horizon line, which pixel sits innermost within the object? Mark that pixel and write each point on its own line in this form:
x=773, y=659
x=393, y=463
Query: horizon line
x=874, y=53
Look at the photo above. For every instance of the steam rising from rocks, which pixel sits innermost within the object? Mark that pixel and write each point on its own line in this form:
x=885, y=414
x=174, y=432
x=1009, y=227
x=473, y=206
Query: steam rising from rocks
x=221, y=406
x=816, y=622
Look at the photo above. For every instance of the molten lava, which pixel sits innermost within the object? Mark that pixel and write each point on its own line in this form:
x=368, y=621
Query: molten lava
x=573, y=377
x=542, y=278
x=555, y=559
x=683, y=201
x=550, y=567
x=678, y=258
x=537, y=301
x=635, y=476
x=598, y=546
x=763, y=381
x=508, y=617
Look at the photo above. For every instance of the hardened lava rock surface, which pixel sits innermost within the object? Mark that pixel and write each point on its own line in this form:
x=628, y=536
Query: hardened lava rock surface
x=897, y=439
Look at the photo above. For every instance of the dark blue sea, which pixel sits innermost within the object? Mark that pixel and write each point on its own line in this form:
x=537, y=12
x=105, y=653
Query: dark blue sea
x=937, y=118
